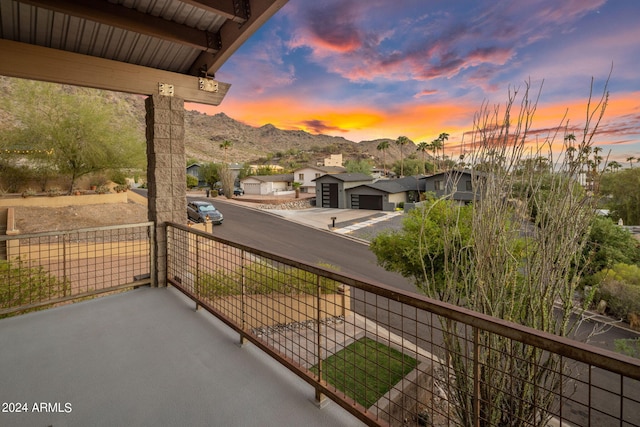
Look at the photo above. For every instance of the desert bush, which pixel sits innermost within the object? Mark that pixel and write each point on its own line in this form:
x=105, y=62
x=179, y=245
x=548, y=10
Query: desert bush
x=118, y=177
x=619, y=286
x=264, y=278
x=21, y=284
x=630, y=347
x=192, y=181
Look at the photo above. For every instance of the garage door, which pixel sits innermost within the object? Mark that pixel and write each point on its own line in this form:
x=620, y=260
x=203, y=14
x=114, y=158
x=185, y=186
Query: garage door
x=366, y=202
x=251, y=188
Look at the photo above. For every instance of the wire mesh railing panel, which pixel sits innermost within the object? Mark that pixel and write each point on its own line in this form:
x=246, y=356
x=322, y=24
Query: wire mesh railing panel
x=47, y=268
x=391, y=357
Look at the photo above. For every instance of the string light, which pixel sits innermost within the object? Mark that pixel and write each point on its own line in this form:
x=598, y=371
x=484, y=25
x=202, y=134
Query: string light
x=47, y=152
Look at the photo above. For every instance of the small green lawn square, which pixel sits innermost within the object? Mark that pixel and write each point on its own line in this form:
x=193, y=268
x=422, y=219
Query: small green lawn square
x=366, y=370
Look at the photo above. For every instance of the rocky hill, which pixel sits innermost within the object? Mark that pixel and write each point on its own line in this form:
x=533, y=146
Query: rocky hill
x=253, y=145
x=204, y=133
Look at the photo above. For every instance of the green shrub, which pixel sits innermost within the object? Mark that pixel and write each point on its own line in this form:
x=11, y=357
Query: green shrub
x=118, y=177
x=192, y=181
x=22, y=285
x=619, y=286
x=263, y=278
x=629, y=347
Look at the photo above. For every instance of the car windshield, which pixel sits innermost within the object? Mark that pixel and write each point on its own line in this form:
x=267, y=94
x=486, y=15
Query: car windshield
x=206, y=208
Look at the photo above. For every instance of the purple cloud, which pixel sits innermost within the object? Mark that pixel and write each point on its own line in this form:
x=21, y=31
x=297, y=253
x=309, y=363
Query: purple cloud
x=319, y=126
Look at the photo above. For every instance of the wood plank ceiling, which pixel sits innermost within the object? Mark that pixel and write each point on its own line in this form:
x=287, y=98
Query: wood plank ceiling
x=134, y=46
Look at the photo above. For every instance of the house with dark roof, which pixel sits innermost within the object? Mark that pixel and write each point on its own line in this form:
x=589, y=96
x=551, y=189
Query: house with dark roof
x=306, y=176
x=194, y=170
x=385, y=194
x=330, y=188
x=456, y=184
x=267, y=184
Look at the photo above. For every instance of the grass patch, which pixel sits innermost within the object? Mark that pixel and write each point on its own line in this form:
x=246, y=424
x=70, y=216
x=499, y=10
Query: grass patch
x=366, y=370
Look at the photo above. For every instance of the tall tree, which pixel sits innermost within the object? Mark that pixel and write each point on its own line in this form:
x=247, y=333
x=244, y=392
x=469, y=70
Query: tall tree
x=435, y=145
x=476, y=256
x=383, y=146
x=78, y=131
x=622, y=194
x=423, y=147
x=630, y=159
x=225, y=145
x=443, y=137
x=401, y=142
x=613, y=166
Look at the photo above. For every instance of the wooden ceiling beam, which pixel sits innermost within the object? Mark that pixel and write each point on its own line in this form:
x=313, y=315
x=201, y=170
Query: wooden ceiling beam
x=52, y=65
x=233, y=35
x=232, y=10
x=128, y=19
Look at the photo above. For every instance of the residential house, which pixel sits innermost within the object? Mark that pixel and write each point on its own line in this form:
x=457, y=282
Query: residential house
x=458, y=184
x=333, y=160
x=267, y=184
x=194, y=170
x=331, y=191
x=385, y=194
x=306, y=176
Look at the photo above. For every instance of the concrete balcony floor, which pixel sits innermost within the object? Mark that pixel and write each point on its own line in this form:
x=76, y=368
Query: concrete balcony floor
x=145, y=358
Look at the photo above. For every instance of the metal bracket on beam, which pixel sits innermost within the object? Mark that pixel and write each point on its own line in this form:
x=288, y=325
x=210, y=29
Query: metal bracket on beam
x=165, y=89
x=242, y=9
x=207, y=84
x=214, y=41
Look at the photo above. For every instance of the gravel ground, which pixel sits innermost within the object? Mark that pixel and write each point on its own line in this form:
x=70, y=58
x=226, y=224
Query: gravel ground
x=369, y=232
x=39, y=220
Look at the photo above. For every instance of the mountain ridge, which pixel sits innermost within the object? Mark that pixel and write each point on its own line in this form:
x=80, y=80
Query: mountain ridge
x=267, y=143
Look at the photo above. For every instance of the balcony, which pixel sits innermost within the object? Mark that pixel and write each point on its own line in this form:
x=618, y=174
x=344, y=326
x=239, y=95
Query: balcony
x=268, y=344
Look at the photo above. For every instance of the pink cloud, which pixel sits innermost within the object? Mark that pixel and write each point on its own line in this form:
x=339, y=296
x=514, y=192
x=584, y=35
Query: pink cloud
x=425, y=92
x=348, y=38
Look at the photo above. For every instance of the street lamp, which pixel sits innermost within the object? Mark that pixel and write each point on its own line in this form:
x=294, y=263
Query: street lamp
x=206, y=221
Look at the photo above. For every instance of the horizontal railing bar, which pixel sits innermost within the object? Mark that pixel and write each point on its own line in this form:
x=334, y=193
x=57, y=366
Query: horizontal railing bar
x=578, y=351
x=75, y=231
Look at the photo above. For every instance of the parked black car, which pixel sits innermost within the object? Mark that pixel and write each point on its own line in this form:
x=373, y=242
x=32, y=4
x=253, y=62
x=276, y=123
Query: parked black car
x=238, y=191
x=197, y=211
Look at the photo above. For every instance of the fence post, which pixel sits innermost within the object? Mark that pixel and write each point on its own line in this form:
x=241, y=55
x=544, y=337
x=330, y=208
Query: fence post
x=321, y=399
x=196, y=289
x=151, y=232
x=64, y=262
x=476, y=377
x=243, y=283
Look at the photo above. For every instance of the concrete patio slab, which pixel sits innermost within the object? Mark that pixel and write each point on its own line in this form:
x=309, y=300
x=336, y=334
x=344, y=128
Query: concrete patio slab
x=145, y=358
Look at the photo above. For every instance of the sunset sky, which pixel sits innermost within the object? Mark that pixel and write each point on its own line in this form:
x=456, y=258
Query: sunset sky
x=374, y=69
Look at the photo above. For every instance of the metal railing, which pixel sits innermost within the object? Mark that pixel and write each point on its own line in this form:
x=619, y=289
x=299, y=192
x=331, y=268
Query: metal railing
x=391, y=357
x=44, y=269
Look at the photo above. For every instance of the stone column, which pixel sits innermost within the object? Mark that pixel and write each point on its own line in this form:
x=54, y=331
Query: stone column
x=166, y=172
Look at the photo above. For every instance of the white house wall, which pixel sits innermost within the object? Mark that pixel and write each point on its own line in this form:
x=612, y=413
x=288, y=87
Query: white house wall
x=307, y=184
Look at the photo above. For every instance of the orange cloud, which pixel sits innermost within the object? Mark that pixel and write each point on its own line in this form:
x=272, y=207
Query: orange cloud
x=425, y=121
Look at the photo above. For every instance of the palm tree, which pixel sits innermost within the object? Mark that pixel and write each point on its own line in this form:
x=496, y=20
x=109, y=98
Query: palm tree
x=614, y=166
x=436, y=144
x=225, y=145
x=630, y=159
x=384, y=146
x=402, y=141
x=442, y=138
x=423, y=147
